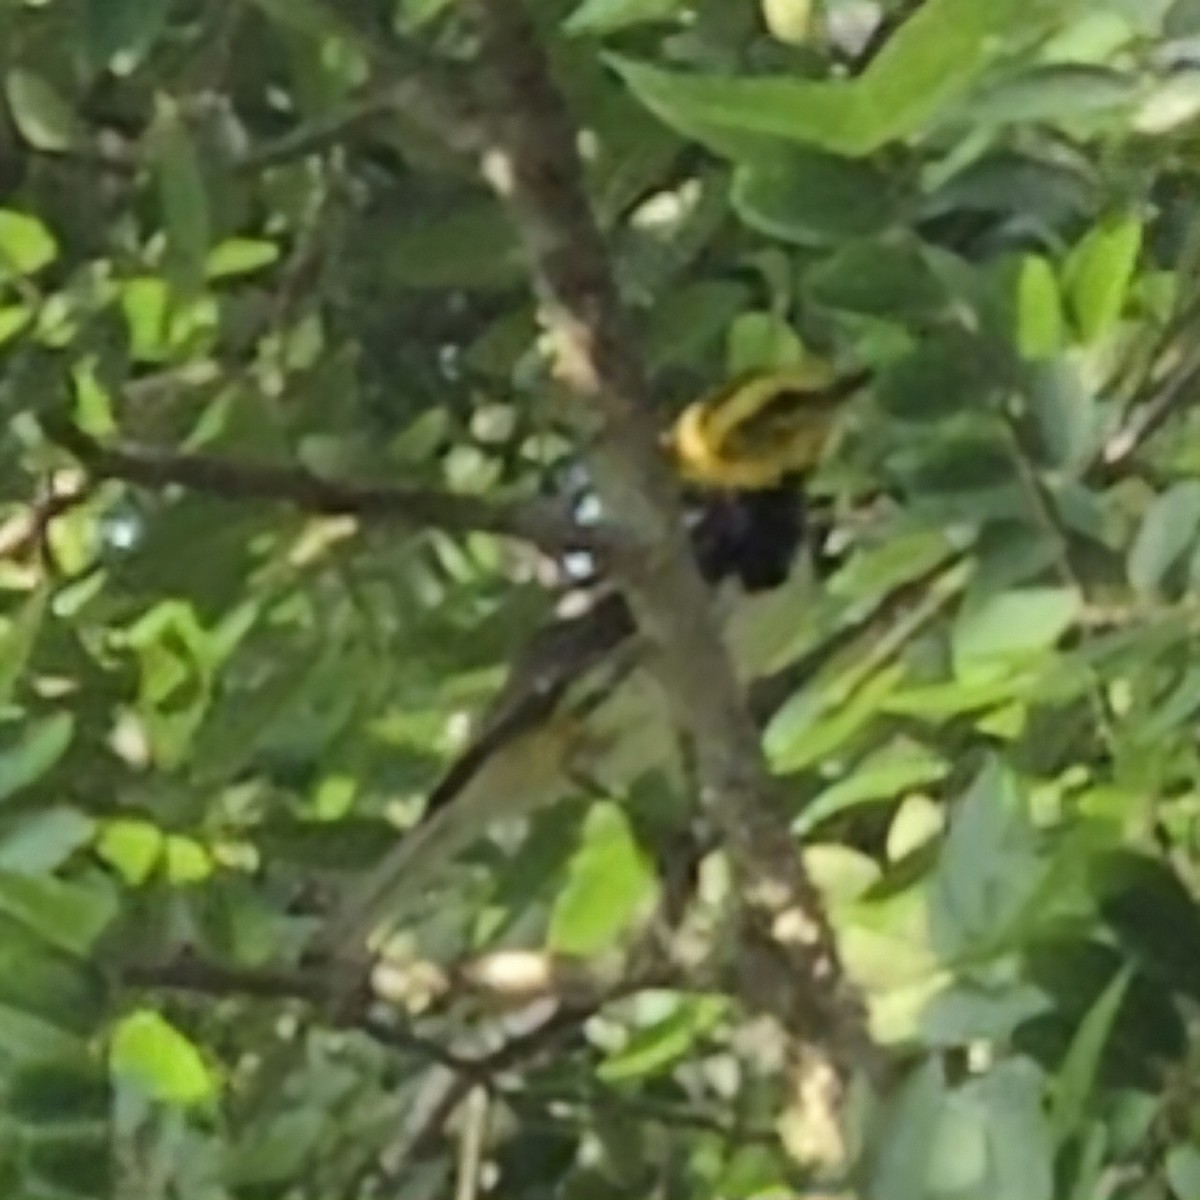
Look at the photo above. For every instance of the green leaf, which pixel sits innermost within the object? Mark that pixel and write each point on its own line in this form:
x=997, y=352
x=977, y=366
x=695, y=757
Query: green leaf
x=312, y=18
x=1182, y=1169
x=949, y=372
x=918, y=820
x=732, y=115
x=81, y=1165
x=812, y=198
x=1041, y=322
x=149, y=1052
x=471, y=245
x=905, y=1136
x=239, y=256
x=988, y=867
x=145, y=303
x=1009, y=1110
x=132, y=847
x=1056, y=94
x=37, y=748
x=804, y=731
x=26, y=245
x=608, y=882
x=925, y=65
x=882, y=775
x=118, y=33
x=762, y=341
x=879, y=279
x=659, y=1045
x=1031, y=190
x=1167, y=532
x=276, y=1154
x=187, y=861
x=1154, y=915
x=968, y=1012
x=958, y=1154
x=1006, y=630
x=183, y=198
x=413, y=14
x=599, y=17
x=940, y=1142
x=1173, y=103
x=14, y=319
x=38, y=842
x=39, y=981
x=18, y=635
x=70, y=916
x=49, y=1093
x=1077, y=1076
x=30, y=1037
x=690, y=318
x=42, y=116
x=1068, y=417
x=1099, y=273
x=840, y=873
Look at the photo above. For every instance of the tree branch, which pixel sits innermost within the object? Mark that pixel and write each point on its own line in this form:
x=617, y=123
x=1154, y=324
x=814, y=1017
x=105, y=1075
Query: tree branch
x=534, y=165
x=1179, y=389
x=548, y=526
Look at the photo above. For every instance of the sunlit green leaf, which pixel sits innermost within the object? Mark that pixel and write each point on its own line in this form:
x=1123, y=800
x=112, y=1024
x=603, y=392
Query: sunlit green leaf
x=239, y=256
x=149, y=1052
x=1002, y=630
x=1099, y=273
x=608, y=882
x=762, y=341
x=1040, y=319
x=664, y=1042
x=26, y=245
x=881, y=776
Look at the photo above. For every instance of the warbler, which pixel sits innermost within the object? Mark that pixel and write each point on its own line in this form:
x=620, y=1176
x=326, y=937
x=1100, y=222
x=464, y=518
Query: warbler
x=579, y=701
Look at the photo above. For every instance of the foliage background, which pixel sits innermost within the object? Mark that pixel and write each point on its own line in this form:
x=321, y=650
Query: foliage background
x=226, y=227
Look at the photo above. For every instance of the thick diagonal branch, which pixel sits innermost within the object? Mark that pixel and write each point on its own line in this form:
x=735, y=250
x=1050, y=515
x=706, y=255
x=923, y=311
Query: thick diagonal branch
x=533, y=163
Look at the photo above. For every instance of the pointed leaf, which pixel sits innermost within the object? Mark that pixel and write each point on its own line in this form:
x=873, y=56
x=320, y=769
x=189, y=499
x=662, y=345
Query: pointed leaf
x=608, y=882
x=152, y=1054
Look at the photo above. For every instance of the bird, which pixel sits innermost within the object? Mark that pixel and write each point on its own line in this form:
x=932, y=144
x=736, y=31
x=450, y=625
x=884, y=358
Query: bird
x=578, y=692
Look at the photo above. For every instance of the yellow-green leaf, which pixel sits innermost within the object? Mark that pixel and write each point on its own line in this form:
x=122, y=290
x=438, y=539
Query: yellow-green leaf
x=150, y=1053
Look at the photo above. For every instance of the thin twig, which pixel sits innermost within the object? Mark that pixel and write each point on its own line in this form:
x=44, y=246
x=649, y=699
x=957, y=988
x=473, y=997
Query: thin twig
x=27, y=531
x=544, y=525
x=883, y=33
x=189, y=974
x=1147, y=418
x=203, y=978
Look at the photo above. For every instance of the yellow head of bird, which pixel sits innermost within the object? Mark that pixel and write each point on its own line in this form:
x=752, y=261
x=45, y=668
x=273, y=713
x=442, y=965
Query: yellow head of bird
x=760, y=428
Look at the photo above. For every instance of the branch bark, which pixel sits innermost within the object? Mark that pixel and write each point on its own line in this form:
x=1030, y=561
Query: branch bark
x=791, y=967
x=547, y=526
